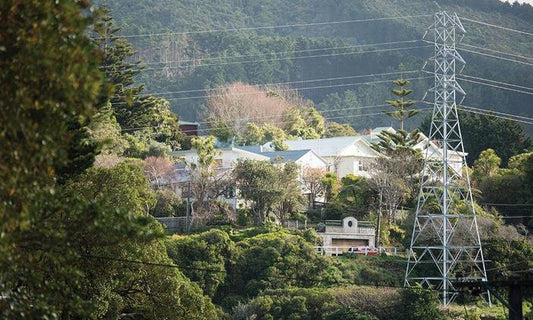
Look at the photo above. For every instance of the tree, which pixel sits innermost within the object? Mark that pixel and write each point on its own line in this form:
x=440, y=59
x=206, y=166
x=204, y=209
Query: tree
x=203, y=257
x=401, y=107
x=238, y=104
x=487, y=165
x=207, y=182
x=158, y=170
x=311, y=180
x=167, y=203
x=131, y=110
x=267, y=187
x=334, y=129
x=480, y=132
x=59, y=219
x=355, y=193
x=331, y=185
x=252, y=115
x=49, y=77
x=141, y=290
x=292, y=199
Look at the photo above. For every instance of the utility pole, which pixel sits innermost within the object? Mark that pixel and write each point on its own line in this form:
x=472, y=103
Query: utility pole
x=445, y=239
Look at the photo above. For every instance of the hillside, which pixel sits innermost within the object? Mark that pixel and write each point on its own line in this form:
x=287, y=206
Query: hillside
x=180, y=55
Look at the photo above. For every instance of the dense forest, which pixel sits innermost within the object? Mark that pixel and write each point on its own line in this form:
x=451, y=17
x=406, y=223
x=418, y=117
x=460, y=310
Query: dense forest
x=329, y=50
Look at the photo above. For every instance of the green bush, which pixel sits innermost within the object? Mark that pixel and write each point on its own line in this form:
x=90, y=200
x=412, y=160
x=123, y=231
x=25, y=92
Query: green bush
x=347, y=313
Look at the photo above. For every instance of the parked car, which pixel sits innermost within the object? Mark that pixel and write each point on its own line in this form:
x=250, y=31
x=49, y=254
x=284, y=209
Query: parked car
x=367, y=251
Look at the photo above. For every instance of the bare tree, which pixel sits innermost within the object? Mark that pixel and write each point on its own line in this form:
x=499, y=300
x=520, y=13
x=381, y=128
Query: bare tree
x=158, y=169
x=239, y=103
x=311, y=181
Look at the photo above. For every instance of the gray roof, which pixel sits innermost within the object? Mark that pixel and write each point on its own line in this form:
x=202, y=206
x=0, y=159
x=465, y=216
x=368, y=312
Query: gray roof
x=254, y=149
x=285, y=156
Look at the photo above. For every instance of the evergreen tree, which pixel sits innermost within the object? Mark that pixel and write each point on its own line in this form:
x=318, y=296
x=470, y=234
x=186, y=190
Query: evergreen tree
x=146, y=117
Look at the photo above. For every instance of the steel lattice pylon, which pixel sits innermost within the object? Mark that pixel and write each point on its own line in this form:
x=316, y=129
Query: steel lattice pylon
x=445, y=243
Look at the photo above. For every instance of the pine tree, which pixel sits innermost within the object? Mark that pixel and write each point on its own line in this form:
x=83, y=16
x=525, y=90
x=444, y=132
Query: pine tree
x=149, y=117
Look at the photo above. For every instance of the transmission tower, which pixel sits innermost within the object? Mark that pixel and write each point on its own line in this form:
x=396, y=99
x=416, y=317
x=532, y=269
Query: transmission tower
x=445, y=244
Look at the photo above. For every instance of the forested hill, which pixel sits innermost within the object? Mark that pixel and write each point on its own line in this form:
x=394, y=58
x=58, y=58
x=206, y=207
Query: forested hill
x=327, y=49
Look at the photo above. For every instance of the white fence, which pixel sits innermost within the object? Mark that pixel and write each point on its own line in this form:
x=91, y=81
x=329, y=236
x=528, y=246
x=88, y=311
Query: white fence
x=339, y=250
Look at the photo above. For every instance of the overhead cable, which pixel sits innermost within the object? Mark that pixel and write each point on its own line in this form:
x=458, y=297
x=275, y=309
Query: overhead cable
x=295, y=25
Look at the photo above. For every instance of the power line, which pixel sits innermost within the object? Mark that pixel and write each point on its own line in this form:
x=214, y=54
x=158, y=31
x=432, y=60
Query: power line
x=508, y=204
x=499, y=113
x=509, y=265
x=497, y=57
x=285, y=89
x=298, y=89
x=289, y=58
x=488, y=114
x=276, y=53
x=496, y=51
x=496, y=86
x=497, y=26
x=285, y=83
x=321, y=111
x=281, y=122
x=498, y=82
x=295, y=25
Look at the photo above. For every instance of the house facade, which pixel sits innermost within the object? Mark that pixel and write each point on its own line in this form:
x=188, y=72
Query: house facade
x=344, y=155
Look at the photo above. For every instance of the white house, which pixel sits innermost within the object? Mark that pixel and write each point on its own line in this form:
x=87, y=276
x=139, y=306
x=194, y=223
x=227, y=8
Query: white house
x=226, y=158
x=428, y=148
x=344, y=155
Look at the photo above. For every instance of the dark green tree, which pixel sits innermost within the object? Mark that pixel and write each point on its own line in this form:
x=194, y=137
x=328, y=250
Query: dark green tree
x=401, y=106
x=146, y=117
x=480, y=132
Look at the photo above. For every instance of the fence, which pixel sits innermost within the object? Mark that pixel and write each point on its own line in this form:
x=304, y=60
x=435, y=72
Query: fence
x=339, y=250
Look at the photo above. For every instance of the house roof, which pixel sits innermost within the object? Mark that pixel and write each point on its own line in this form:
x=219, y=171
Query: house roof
x=180, y=122
x=289, y=155
x=323, y=147
x=254, y=149
x=329, y=147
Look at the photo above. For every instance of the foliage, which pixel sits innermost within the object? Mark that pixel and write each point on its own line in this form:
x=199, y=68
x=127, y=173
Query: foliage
x=158, y=170
x=391, y=303
x=481, y=132
x=347, y=313
x=130, y=110
x=202, y=257
x=276, y=260
x=207, y=181
x=511, y=185
x=334, y=129
x=287, y=304
x=269, y=188
x=311, y=180
x=167, y=203
x=401, y=107
x=331, y=185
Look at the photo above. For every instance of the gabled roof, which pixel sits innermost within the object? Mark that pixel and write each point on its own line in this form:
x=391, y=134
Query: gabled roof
x=185, y=123
x=330, y=147
x=323, y=147
x=373, y=135
x=289, y=155
x=254, y=149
